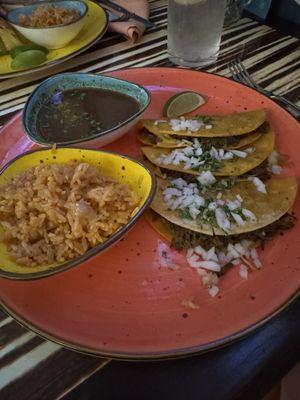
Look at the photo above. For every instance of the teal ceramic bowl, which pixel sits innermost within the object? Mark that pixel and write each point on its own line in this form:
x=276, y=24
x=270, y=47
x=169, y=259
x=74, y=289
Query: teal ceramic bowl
x=52, y=37
x=57, y=83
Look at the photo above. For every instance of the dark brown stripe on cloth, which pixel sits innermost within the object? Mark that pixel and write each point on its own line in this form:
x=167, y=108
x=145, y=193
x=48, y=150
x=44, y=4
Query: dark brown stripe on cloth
x=233, y=31
x=266, y=41
x=240, y=45
x=20, y=351
x=261, y=63
x=234, y=35
x=280, y=73
x=158, y=14
x=10, y=332
x=3, y=314
x=276, y=55
x=52, y=378
x=293, y=95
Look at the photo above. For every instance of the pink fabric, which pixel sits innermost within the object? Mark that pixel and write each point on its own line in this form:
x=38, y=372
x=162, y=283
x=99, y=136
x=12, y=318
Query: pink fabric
x=132, y=29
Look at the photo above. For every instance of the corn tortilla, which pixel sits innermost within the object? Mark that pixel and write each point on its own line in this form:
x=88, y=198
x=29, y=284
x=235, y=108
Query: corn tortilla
x=268, y=208
x=171, y=142
x=237, y=166
x=222, y=125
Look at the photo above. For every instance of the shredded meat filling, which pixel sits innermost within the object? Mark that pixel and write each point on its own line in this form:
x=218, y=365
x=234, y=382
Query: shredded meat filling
x=218, y=142
x=185, y=238
x=261, y=171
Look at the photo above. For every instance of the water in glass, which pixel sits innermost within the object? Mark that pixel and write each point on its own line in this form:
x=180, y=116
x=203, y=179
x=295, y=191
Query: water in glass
x=194, y=31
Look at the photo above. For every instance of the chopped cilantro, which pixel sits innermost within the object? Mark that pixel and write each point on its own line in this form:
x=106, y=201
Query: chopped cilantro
x=210, y=163
x=219, y=185
x=226, y=209
x=184, y=213
x=206, y=119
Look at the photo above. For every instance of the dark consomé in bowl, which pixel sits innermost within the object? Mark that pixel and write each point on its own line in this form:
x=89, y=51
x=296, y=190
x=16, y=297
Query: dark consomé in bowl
x=80, y=113
x=86, y=110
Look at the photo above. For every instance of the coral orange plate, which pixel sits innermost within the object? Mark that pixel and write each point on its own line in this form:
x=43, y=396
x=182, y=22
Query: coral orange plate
x=125, y=303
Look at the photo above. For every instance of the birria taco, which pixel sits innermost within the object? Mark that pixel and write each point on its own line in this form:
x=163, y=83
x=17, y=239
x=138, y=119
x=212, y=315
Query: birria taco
x=218, y=130
x=196, y=157
x=217, y=195
x=208, y=126
x=173, y=142
x=222, y=207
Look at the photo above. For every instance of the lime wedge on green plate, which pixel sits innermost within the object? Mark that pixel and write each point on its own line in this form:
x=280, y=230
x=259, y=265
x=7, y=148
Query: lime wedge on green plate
x=182, y=103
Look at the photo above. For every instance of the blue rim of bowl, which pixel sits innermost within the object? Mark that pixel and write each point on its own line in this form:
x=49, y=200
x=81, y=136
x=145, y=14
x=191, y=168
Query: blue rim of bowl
x=52, y=63
x=48, y=3
x=96, y=249
x=88, y=138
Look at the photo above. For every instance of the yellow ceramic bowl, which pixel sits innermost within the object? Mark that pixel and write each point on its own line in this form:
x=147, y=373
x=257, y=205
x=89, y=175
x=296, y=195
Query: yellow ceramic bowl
x=122, y=168
x=53, y=37
x=95, y=25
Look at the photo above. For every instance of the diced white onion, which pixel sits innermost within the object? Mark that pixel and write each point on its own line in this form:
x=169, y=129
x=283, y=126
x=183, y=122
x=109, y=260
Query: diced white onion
x=276, y=169
x=243, y=272
x=249, y=214
x=206, y=178
x=210, y=265
x=199, y=250
x=211, y=255
x=239, y=153
x=189, y=253
x=238, y=219
x=213, y=291
x=222, y=219
x=260, y=186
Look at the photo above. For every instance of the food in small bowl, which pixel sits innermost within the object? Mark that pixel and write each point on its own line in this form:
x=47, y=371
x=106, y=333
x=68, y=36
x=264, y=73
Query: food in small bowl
x=83, y=109
x=51, y=24
x=60, y=207
x=46, y=16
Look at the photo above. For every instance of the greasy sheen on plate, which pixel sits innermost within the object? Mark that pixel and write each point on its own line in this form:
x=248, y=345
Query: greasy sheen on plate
x=54, y=213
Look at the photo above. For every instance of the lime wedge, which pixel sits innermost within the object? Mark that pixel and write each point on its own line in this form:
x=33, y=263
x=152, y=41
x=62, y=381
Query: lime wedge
x=182, y=103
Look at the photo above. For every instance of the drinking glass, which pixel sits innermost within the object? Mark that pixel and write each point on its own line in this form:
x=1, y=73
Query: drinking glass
x=194, y=31
x=234, y=10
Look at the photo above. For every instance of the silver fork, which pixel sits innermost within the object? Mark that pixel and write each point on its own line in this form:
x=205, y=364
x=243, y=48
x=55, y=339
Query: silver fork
x=240, y=74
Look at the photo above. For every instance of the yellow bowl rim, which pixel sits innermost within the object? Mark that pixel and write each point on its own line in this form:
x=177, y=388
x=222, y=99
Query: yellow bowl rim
x=96, y=249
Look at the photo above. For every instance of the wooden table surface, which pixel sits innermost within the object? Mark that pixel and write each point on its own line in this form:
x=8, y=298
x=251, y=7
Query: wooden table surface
x=33, y=368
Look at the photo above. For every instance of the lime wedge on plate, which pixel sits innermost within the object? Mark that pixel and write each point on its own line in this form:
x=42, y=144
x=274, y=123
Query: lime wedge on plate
x=28, y=59
x=182, y=103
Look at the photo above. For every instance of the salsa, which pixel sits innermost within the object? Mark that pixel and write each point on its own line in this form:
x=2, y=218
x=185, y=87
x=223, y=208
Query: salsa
x=80, y=113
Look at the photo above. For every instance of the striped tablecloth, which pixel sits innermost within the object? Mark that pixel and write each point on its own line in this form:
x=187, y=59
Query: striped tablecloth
x=33, y=368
